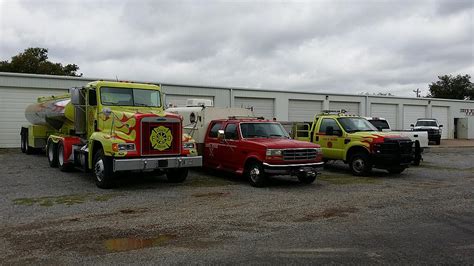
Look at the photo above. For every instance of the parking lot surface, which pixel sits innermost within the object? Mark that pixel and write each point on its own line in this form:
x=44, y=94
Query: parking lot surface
x=425, y=215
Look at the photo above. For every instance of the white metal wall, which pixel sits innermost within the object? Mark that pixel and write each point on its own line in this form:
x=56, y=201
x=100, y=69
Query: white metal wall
x=303, y=110
x=13, y=102
x=441, y=113
x=261, y=106
x=180, y=100
x=351, y=107
x=411, y=113
x=387, y=111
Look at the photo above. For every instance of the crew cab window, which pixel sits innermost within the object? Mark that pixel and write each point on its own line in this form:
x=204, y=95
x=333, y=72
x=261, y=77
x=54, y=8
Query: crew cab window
x=231, y=131
x=213, y=132
x=380, y=124
x=328, y=122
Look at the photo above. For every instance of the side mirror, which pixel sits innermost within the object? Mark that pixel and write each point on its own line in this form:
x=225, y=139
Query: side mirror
x=329, y=131
x=106, y=111
x=411, y=125
x=220, y=134
x=379, y=128
x=440, y=126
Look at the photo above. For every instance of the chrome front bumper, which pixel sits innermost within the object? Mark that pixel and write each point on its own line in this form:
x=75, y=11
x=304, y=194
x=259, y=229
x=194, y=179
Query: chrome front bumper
x=282, y=169
x=156, y=163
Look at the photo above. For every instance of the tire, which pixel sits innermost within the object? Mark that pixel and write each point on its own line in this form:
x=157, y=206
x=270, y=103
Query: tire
x=256, y=175
x=306, y=179
x=418, y=157
x=62, y=164
x=24, y=139
x=52, y=153
x=360, y=164
x=177, y=175
x=102, y=170
x=396, y=170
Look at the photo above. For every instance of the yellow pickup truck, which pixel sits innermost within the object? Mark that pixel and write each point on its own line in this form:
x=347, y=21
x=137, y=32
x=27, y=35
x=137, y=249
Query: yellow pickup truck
x=357, y=142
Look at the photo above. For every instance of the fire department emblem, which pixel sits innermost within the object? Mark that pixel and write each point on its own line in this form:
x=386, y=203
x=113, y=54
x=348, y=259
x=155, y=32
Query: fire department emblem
x=161, y=138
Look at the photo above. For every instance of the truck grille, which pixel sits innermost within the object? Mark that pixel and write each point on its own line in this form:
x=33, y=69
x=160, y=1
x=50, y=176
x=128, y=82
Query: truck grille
x=299, y=154
x=400, y=146
x=161, y=138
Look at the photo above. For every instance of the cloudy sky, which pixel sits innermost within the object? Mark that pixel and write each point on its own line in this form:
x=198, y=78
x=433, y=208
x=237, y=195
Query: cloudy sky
x=339, y=46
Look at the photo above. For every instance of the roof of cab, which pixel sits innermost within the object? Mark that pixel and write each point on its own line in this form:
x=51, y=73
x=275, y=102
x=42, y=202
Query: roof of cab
x=123, y=84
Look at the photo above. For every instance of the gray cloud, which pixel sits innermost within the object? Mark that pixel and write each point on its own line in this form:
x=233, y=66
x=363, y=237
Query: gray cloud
x=343, y=46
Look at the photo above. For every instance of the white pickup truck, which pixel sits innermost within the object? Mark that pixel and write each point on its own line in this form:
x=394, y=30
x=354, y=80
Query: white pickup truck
x=419, y=138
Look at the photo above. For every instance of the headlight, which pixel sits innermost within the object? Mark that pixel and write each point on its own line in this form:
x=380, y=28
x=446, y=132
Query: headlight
x=319, y=150
x=273, y=152
x=188, y=145
x=123, y=146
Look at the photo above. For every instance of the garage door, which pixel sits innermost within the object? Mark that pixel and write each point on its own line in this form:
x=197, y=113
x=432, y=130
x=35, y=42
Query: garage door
x=387, y=111
x=180, y=100
x=441, y=113
x=411, y=113
x=302, y=110
x=261, y=106
x=351, y=107
x=13, y=102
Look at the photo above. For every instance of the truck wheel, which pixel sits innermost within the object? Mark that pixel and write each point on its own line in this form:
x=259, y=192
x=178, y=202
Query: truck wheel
x=255, y=175
x=418, y=157
x=396, y=170
x=360, y=164
x=52, y=153
x=103, y=172
x=63, y=165
x=177, y=175
x=305, y=178
x=24, y=139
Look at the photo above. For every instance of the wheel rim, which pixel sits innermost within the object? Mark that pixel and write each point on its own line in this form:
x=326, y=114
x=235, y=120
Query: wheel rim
x=358, y=165
x=50, y=152
x=99, y=170
x=61, y=155
x=254, y=174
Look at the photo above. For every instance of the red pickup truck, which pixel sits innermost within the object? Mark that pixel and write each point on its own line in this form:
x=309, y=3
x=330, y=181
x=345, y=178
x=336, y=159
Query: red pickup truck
x=259, y=148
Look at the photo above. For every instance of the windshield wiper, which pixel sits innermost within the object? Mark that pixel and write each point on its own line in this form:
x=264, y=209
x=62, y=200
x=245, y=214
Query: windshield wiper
x=276, y=135
x=253, y=136
x=141, y=104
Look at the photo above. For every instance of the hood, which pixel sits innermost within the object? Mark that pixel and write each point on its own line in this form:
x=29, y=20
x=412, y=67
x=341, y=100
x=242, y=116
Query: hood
x=124, y=119
x=280, y=143
x=376, y=136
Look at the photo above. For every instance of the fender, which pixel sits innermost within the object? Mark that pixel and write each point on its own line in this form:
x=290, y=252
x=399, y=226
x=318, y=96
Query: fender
x=67, y=141
x=361, y=144
x=251, y=156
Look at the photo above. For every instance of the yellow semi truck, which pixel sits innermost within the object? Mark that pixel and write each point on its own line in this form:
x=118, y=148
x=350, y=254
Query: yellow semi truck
x=108, y=127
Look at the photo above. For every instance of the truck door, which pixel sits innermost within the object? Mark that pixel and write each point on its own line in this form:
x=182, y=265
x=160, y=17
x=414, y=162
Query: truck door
x=330, y=137
x=211, y=146
x=228, y=148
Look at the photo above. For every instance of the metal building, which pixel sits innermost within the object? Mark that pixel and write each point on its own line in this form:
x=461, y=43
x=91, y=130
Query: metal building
x=456, y=116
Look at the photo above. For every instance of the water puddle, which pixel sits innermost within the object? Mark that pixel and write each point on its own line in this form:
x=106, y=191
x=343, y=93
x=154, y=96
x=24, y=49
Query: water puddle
x=126, y=244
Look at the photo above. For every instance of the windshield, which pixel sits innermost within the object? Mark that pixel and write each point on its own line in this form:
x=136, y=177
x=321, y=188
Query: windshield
x=426, y=124
x=130, y=97
x=355, y=124
x=380, y=124
x=263, y=130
